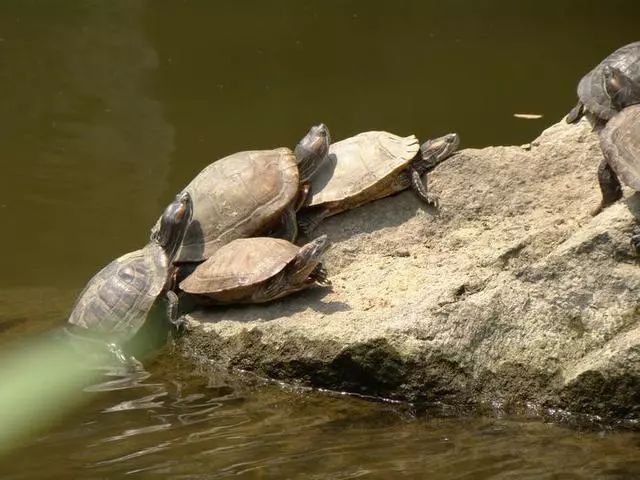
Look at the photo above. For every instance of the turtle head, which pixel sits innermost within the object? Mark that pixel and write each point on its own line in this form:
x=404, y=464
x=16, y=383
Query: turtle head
x=438, y=149
x=620, y=88
x=306, y=269
x=303, y=271
x=313, y=250
x=173, y=224
x=312, y=151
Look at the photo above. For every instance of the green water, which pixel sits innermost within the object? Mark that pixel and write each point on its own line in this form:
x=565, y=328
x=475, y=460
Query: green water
x=109, y=107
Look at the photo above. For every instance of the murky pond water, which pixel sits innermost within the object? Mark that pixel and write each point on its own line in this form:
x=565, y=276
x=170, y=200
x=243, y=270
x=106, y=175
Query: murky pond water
x=109, y=107
x=174, y=423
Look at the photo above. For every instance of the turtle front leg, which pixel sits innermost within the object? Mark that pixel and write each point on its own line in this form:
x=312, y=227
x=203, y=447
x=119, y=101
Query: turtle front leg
x=319, y=274
x=609, y=186
x=173, y=301
x=576, y=113
x=419, y=186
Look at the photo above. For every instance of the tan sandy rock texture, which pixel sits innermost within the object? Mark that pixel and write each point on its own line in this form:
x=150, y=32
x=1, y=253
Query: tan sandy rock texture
x=510, y=293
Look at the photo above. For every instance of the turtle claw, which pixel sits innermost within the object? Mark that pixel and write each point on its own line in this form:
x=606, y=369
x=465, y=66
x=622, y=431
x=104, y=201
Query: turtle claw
x=319, y=276
x=419, y=186
x=432, y=200
x=180, y=325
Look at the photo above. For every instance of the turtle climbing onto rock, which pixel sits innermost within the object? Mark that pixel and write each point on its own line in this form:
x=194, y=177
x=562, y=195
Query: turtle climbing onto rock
x=251, y=193
x=369, y=166
x=116, y=301
x=257, y=270
x=620, y=143
x=611, y=86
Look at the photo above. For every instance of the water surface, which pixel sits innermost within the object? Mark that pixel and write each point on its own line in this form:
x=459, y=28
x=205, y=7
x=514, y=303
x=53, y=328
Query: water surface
x=173, y=422
x=110, y=107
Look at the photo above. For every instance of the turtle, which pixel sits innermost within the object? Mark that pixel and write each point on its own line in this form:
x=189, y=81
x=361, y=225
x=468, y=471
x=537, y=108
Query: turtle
x=117, y=300
x=369, y=166
x=251, y=193
x=257, y=270
x=609, y=87
x=620, y=143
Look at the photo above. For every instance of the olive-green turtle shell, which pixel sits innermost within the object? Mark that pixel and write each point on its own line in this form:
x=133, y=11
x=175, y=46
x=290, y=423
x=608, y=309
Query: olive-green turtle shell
x=591, y=89
x=620, y=142
x=362, y=168
x=118, y=298
x=238, y=196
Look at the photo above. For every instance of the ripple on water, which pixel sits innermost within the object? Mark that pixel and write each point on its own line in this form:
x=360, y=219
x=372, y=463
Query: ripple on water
x=176, y=422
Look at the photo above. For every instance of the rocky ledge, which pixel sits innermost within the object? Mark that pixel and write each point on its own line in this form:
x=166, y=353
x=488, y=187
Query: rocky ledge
x=511, y=292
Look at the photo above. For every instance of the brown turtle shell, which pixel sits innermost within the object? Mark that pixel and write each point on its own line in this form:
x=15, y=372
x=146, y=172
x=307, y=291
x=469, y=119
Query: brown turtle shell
x=238, y=196
x=620, y=142
x=239, y=265
x=118, y=298
x=361, y=168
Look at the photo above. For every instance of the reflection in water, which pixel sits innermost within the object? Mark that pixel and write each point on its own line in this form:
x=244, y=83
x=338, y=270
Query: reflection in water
x=87, y=139
x=176, y=421
x=110, y=106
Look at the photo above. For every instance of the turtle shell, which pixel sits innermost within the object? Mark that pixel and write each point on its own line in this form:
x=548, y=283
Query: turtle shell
x=238, y=196
x=239, y=266
x=620, y=142
x=358, y=165
x=117, y=300
x=591, y=90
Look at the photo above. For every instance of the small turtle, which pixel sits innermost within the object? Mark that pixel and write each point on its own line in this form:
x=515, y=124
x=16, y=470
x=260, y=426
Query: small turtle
x=612, y=85
x=116, y=301
x=251, y=193
x=256, y=270
x=369, y=166
x=620, y=143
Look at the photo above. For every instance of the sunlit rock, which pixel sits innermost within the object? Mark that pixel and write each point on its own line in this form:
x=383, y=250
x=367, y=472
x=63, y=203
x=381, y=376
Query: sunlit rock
x=511, y=293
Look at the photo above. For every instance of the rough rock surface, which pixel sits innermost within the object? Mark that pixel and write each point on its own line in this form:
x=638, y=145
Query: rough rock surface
x=511, y=292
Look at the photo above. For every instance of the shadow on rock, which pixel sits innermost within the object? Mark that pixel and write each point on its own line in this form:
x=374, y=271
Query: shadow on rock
x=284, y=307
x=388, y=212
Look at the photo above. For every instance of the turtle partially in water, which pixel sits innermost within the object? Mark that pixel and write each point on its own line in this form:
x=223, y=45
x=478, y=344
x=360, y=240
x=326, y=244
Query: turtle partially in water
x=620, y=143
x=373, y=165
x=609, y=87
x=257, y=270
x=251, y=193
x=116, y=301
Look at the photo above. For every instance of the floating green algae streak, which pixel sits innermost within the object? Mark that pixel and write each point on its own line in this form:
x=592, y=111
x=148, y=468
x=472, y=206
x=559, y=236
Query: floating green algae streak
x=40, y=381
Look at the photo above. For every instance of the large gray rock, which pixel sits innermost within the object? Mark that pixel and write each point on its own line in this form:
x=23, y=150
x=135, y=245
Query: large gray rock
x=511, y=292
